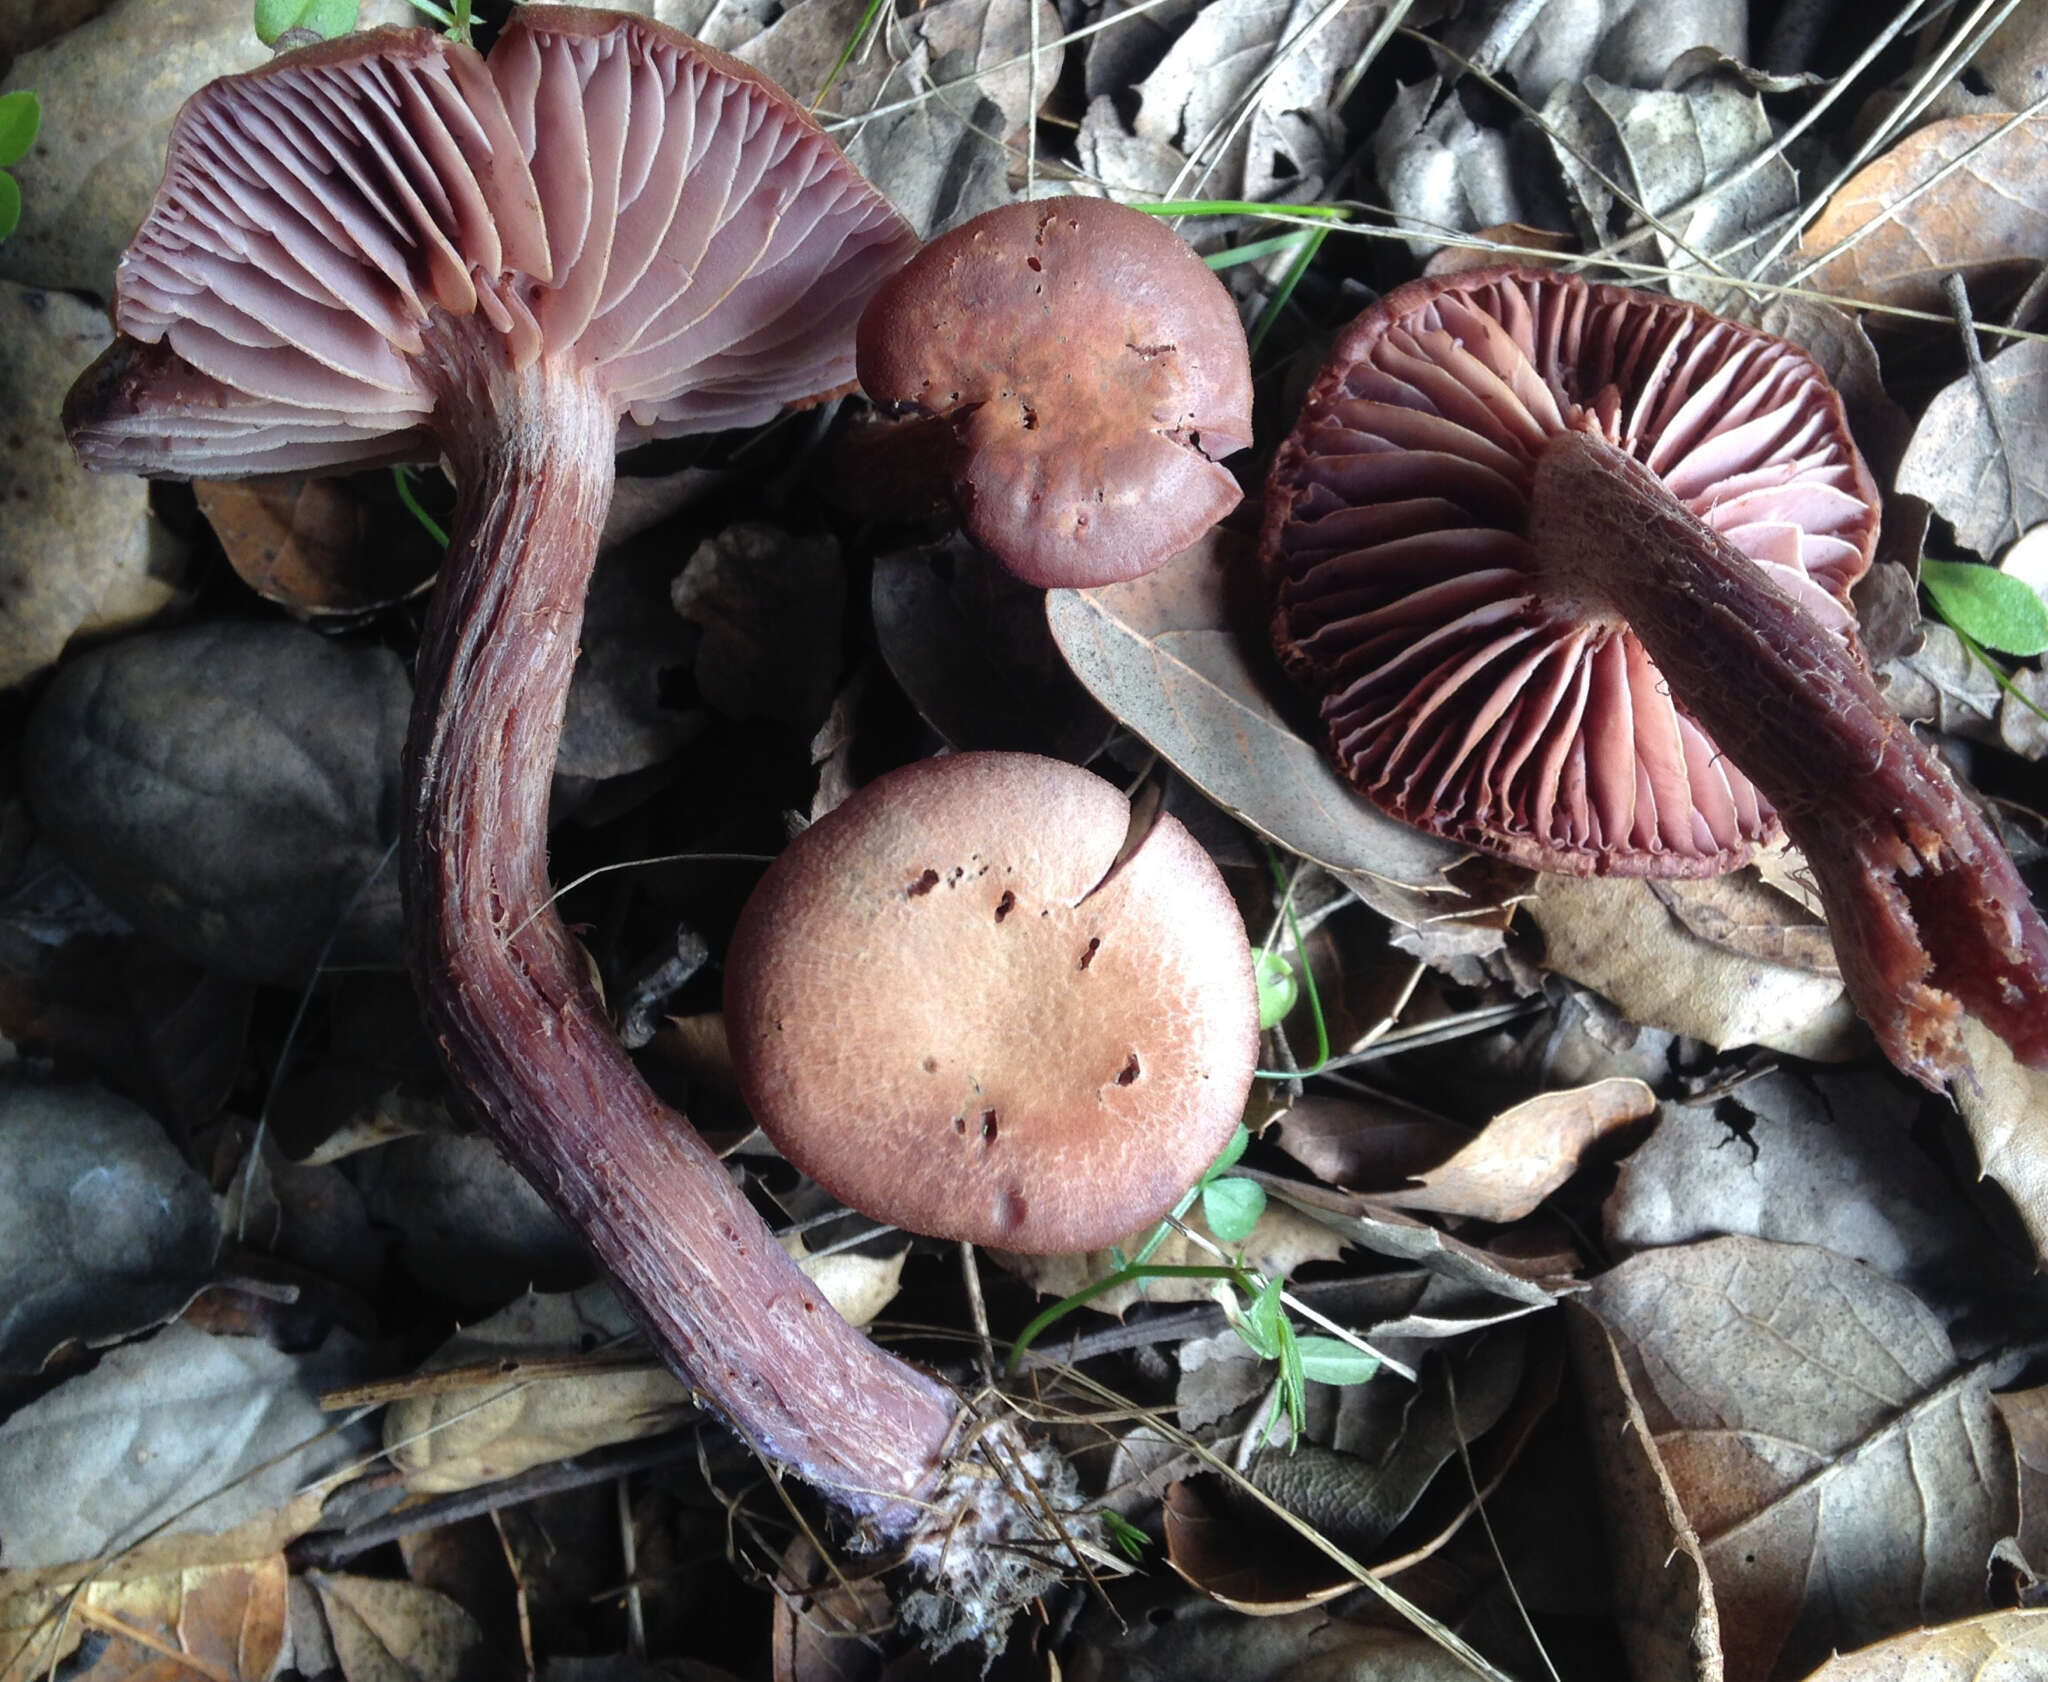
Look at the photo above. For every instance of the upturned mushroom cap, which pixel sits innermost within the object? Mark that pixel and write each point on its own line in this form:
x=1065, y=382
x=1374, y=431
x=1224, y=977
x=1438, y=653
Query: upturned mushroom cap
x=604, y=188
x=948, y=1008
x=1464, y=692
x=1095, y=374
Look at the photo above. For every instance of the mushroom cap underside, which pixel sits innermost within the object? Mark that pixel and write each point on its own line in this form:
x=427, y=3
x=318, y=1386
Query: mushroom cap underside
x=947, y=1007
x=337, y=227
x=1463, y=691
x=1095, y=374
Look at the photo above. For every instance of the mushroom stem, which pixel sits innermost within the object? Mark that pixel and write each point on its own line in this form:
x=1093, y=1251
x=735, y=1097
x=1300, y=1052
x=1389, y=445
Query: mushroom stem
x=509, y=996
x=1928, y=914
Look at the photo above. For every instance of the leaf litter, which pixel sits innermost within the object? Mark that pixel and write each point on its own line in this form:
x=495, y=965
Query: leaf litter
x=1792, y=1305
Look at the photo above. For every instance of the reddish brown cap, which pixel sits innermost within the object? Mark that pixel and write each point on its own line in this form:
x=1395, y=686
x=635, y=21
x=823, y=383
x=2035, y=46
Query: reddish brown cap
x=1465, y=693
x=947, y=1008
x=337, y=230
x=1095, y=373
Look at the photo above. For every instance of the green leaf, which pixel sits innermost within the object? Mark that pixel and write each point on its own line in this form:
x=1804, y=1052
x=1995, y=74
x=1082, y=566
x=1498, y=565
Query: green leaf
x=325, y=18
x=1988, y=606
x=1264, y=1325
x=1232, y=1208
x=1127, y=1536
x=1278, y=990
x=1226, y=1158
x=1330, y=1360
x=10, y=204
x=21, y=114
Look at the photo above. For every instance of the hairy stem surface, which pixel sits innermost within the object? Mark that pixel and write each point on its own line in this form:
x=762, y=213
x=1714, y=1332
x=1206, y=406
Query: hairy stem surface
x=1928, y=914
x=508, y=994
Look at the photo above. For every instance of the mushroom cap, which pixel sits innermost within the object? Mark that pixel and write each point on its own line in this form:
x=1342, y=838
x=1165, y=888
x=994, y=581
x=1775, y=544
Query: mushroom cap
x=1464, y=692
x=337, y=230
x=1095, y=374
x=955, y=1007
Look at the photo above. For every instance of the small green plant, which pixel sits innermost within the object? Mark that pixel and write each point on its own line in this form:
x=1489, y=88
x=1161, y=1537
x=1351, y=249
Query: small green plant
x=1989, y=610
x=1129, y=1539
x=408, y=497
x=456, y=19
x=324, y=18
x=21, y=115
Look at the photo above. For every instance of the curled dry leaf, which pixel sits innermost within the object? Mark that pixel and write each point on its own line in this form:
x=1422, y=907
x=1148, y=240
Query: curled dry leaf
x=104, y=1228
x=1441, y=170
x=1616, y=936
x=1984, y=219
x=1981, y=1649
x=1985, y=469
x=1749, y=916
x=462, y=1432
x=1171, y=655
x=1845, y=1475
x=2025, y=1413
x=308, y=544
x=1370, y=1145
x=2003, y=1108
x=1527, y=1152
x=385, y=1631
x=77, y=550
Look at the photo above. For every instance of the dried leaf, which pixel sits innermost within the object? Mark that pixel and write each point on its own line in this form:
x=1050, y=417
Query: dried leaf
x=2025, y=1413
x=970, y=647
x=2003, y=1108
x=1985, y=218
x=455, y=1438
x=619, y=718
x=77, y=549
x=395, y=1632
x=1631, y=41
x=771, y=605
x=1812, y=1418
x=1670, y=149
x=1944, y=684
x=1824, y=1158
x=1365, y=1146
x=1440, y=169
x=1614, y=935
x=104, y=1229
x=1525, y=1153
x=1985, y=473
x=317, y=546
x=160, y=1424
x=1742, y=914
x=1982, y=1649
x=1663, y=1596
x=230, y=788
x=1169, y=655
x=224, y=1622
x=858, y=1286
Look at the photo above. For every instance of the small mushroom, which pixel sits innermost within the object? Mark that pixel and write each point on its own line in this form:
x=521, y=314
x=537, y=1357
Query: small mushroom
x=384, y=248
x=1568, y=566
x=1094, y=374
x=958, y=1005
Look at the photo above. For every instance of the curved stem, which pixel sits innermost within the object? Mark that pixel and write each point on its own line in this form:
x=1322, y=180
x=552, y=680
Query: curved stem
x=1928, y=914
x=508, y=993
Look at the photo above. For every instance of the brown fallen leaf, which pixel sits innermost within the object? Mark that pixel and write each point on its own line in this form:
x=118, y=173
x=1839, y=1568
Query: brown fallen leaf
x=395, y=1632
x=1616, y=936
x=1984, y=1649
x=1365, y=1146
x=1985, y=470
x=1741, y=914
x=307, y=544
x=1663, y=1596
x=2025, y=1413
x=2002, y=1108
x=1983, y=219
x=1527, y=1152
x=222, y=1622
x=1846, y=1476
x=1456, y=259
x=1182, y=664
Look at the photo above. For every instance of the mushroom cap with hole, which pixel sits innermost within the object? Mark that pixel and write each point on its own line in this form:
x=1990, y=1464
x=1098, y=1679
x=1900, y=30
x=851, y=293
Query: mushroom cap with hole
x=334, y=226
x=1463, y=692
x=1095, y=374
x=955, y=1007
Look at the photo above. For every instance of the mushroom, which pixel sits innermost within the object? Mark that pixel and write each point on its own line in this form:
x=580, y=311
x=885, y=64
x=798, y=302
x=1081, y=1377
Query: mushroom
x=382, y=248
x=1093, y=372
x=961, y=1006
x=1568, y=566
